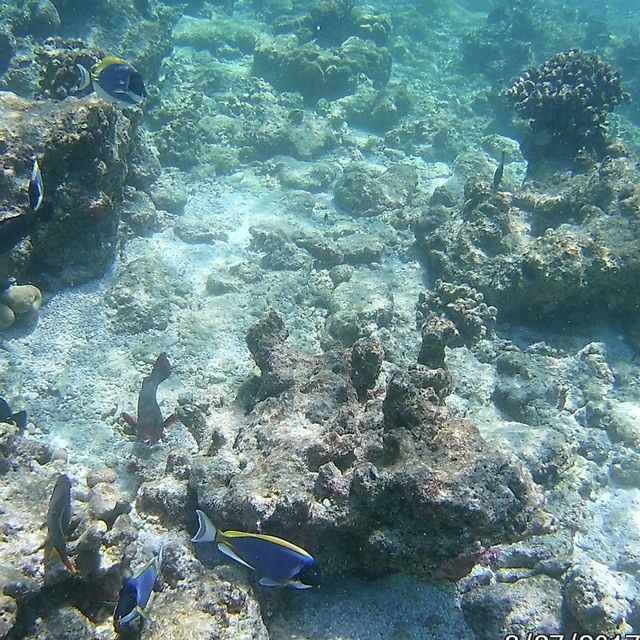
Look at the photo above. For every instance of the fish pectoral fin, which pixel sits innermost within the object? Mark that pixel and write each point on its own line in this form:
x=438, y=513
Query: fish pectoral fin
x=228, y=551
x=51, y=553
x=129, y=419
x=296, y=584
x=268, y=582
x=67, y=562
x=172, y=419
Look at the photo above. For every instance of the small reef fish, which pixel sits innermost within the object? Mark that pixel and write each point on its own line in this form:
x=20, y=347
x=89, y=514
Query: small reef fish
x=36, y=187
x=149, y=424
x=134, y=598
x=114, y=79
x=497, y=176
x=14, y=228
x=58, y=518
x=278, y=563
x=19, y=418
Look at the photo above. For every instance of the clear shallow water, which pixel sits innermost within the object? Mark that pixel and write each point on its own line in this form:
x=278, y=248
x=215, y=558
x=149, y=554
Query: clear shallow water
x=76, y=370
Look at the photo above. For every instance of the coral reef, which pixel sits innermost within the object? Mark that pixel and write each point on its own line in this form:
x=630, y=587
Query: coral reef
x=362, y=487
x=304, y=157
x=566, y=101
x=316, y=72
x=82, y=149
x=525, y=253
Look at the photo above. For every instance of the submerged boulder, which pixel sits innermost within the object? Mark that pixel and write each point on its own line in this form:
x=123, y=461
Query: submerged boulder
x=82, y=148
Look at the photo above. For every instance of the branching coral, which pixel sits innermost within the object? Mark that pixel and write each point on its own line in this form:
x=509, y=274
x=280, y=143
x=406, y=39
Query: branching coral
x=567, y=100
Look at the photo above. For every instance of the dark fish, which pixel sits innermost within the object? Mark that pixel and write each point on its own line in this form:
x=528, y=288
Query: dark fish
x=19, y=418
x=114, y=79
x=149, y=424
x=134, y=597
x=279, y=563
x=497, y=176
x=14, y=228
x=58, y=519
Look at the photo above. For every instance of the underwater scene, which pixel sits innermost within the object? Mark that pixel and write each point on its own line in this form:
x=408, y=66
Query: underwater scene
x=319, y=320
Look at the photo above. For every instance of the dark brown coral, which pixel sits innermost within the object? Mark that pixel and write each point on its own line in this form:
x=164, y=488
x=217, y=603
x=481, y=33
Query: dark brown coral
x=567, y=100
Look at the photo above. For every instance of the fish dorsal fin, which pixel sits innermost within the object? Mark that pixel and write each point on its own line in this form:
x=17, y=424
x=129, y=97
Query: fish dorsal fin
x=155, y=562
x=228, y=551
x=273, y=539
x=101, y=66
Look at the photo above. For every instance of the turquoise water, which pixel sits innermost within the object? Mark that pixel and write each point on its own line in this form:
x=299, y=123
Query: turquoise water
x=390, y=250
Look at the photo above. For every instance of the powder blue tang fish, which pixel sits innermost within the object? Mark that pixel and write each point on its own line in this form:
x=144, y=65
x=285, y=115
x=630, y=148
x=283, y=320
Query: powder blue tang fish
x=114, y=79
x=277, y=562
x=129, y=615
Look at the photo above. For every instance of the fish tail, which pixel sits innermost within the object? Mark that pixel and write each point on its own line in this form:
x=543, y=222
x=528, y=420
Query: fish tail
x=67, y=562
x=51, y=552
x=206, y=529
x=161, y=369
x=85, y=78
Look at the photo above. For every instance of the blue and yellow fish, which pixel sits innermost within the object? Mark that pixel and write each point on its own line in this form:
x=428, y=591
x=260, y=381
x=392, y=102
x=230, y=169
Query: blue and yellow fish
x=134, y=598
x=114, y=79
x=278, y=563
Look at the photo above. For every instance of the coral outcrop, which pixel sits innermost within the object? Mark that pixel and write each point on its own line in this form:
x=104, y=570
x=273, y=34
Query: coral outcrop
x=316, y=72
x=367, y=486
x=567, y=247
x=18, y=300
x=82, y=148
x=109, y=539
x=567, y=100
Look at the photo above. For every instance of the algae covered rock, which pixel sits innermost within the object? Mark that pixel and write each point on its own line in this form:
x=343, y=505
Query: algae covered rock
x=566, y=249
x=316, y=72
x=140, y=297
x=600, y=598
x=399, y=485
x=169, y=191
x=360, y=302
x=365, y=190
x=532, y=605
x=82, y=148
x=223, y=36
